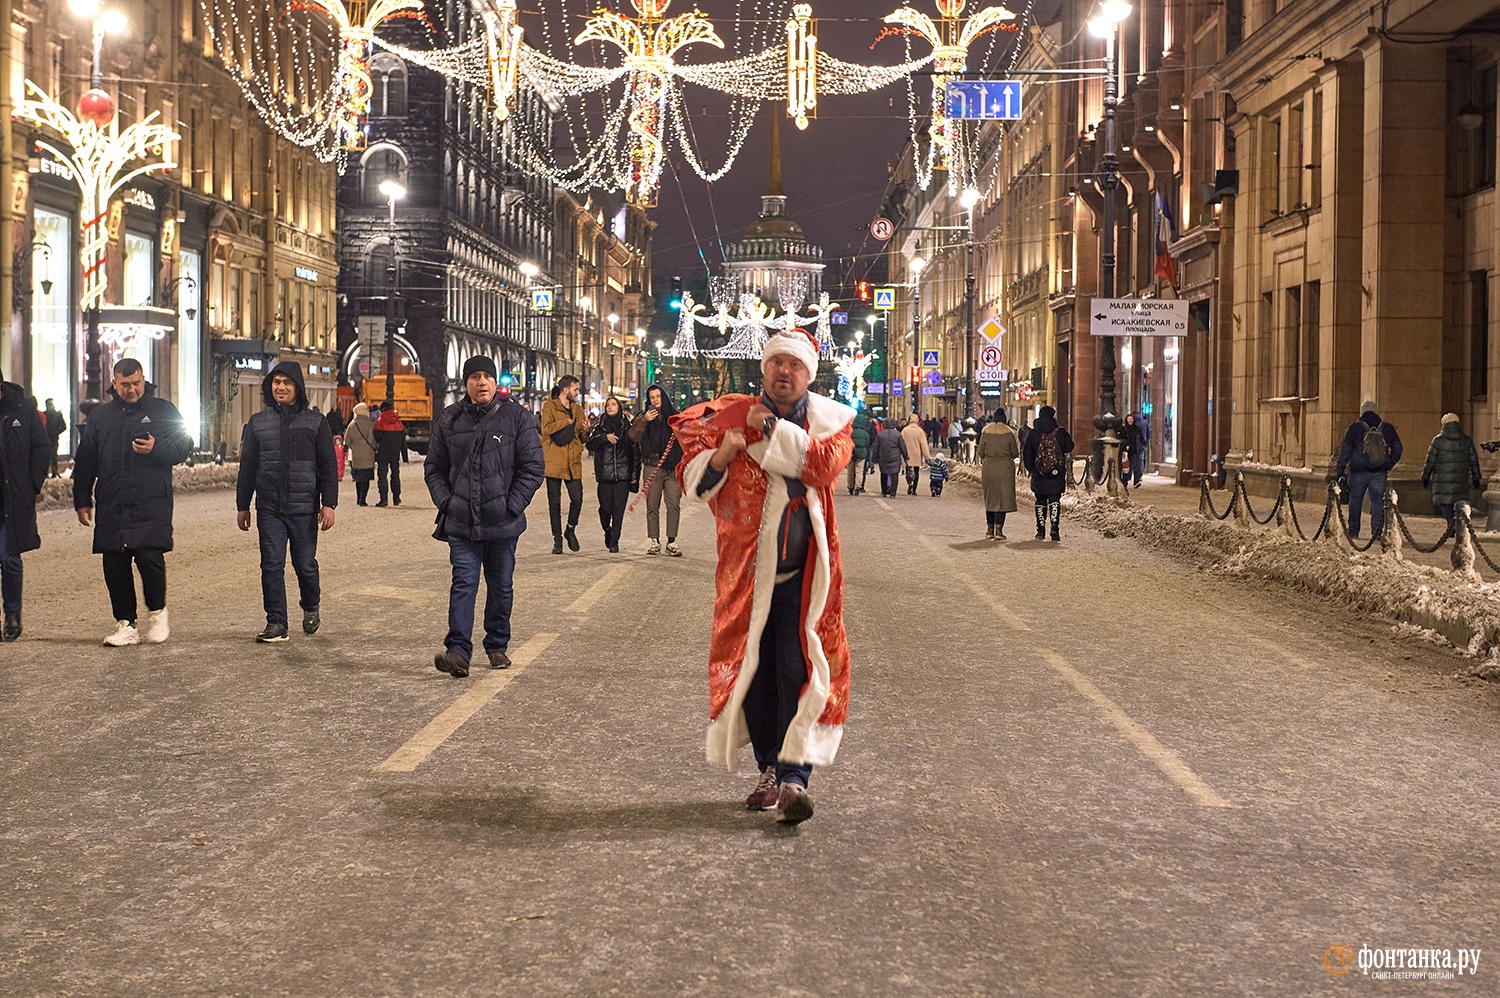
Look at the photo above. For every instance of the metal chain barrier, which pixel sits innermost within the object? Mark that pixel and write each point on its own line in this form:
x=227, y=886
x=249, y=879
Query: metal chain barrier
x=1474, y=538
x=1207, y=500
x=1281, y=497
x=1327, y=516
x=1450, y=532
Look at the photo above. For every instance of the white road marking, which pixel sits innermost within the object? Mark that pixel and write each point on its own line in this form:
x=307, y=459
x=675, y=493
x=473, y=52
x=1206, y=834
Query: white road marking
x=407, y=594
x=595, y=593
x=409, y=756
x=1169, y=762
x=1002, y=611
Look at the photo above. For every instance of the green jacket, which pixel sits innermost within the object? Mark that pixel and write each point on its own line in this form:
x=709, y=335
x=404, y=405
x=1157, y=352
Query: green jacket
x=861, y=435
x=1452, y=466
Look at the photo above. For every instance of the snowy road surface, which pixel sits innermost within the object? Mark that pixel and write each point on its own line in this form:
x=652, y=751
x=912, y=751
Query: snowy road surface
x=1075, y=769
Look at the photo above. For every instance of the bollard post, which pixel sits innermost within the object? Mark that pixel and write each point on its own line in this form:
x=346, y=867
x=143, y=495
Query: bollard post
x=1284, y=509
x=1463, y=543
x=1242, y=508
x=1088, y=475
x=1336, y=532
x=1392, y=543
x=1203, y=497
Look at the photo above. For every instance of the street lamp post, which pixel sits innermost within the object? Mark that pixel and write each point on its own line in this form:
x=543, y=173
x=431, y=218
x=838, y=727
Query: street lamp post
x=885, y=388
x=970, y=200
x=614, y=321
x=1107, y=444
x=640, y=346
x=917, y=263
x=529, y=271
x=394, y=191
x=584, y=301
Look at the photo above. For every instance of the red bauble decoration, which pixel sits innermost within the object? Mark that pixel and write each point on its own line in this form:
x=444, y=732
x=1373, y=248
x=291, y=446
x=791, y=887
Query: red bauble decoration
x=97, y=107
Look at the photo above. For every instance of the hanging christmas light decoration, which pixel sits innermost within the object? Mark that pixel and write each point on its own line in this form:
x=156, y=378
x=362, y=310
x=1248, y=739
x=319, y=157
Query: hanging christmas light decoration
x=801, y=66
x=851, y=367
x=950, y=53
x=822, y=319
x=101, y=159
x=282, y=65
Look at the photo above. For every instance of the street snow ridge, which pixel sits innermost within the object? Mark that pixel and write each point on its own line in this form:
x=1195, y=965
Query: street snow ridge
x=1466, y=614
x=57, y=493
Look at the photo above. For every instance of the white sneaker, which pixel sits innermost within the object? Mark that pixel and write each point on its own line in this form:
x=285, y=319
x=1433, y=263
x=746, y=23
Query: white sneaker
x=654, y=547
x=124, y=635
x=674, y=550
x=155, y=630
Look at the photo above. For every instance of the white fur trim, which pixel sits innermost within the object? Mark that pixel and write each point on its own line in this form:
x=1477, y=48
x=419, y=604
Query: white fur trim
x=825, y=417
x=785, y=450
x=798, y=746
x=693, y=476
x=794, y=343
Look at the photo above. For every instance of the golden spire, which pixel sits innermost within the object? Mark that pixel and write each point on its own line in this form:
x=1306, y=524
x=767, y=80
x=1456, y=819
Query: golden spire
x=773, y=185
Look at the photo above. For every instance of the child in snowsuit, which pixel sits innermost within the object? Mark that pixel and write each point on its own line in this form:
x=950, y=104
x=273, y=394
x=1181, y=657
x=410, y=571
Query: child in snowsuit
x=937, y=474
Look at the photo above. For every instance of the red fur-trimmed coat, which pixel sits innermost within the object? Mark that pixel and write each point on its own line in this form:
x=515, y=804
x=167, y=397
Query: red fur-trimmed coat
x=748, y=503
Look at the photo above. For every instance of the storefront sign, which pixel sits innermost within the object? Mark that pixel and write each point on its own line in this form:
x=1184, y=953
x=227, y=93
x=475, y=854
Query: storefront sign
x=140, y=198
x=306, y=273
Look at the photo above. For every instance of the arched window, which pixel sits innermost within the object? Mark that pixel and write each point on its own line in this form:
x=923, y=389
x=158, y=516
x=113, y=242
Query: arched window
x=388, y=86
x=379, y=163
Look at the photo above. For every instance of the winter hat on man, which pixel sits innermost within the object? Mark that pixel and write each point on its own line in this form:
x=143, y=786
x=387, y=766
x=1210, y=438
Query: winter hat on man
x=1449, y=417
x=797, y=343
x=1368, y=406
x=480, y=364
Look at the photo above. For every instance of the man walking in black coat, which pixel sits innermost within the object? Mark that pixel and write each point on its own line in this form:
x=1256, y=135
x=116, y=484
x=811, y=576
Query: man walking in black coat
x=483, y=466
x=1370, y=449
x=287, y=462
x=24, y=454
x=129, y=446
x=55, y=424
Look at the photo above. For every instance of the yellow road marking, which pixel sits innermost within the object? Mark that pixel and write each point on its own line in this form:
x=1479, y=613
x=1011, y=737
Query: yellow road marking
x=1169, y=762
x=409, y=756
x=595, y=593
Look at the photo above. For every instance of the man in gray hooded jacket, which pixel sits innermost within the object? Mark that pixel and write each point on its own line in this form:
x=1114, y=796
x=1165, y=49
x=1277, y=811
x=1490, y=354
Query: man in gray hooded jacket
x=288, y=464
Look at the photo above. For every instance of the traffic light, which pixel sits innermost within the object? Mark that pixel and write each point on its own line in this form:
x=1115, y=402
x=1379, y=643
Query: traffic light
x=506, y=381
x=675, y=301
x=864, y=290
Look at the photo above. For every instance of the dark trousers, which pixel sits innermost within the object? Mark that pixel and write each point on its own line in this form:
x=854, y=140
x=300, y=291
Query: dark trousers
x=497, y=560
x=554, y=502
x=121, y=583
x=362, y=478
x=1445, y=510
x=612, y=499
x=888, y=480
x=52, y=466
x=1137, y=465
x=1373, y=484
x=996, y=520
x=391, y=466
x=771, y=700
x=912, y=474
x=10, y=570
x=276, y=533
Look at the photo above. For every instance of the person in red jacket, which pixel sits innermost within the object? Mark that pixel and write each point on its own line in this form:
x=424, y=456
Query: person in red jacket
x=390, y=441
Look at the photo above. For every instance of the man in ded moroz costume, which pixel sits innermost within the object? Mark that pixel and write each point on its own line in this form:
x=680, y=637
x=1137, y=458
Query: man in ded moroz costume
x=778, y=659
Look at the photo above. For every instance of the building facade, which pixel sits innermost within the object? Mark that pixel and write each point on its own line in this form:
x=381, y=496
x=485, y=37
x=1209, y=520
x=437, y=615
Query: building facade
x=237, y=240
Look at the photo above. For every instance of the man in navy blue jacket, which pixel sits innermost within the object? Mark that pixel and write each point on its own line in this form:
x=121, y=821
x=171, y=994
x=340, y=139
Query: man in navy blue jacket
x=483, y=466
x=288, y=464
x=1370, y=450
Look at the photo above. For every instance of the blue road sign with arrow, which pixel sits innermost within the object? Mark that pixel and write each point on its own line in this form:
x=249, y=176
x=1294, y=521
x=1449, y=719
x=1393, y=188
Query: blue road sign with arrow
x=983, y=99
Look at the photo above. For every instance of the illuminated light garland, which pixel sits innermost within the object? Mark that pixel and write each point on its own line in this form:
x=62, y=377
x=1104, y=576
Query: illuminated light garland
x=822, y=318
x=801, y=66
x=100, y=160
x=950, y=49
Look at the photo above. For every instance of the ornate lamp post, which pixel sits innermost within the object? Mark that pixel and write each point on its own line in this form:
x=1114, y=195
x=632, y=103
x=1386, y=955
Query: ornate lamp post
x=1107, y=445
x=970, y=200
x=394, y=191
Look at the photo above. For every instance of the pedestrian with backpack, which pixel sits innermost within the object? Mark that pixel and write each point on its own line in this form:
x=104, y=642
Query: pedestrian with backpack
x=1371, y=448
x=1045, y=458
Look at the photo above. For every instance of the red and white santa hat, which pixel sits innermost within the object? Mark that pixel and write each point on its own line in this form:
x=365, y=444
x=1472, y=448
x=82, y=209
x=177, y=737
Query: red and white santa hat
x=799, y=343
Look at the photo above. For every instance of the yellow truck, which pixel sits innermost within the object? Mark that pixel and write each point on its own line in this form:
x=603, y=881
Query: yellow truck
x=413, y=401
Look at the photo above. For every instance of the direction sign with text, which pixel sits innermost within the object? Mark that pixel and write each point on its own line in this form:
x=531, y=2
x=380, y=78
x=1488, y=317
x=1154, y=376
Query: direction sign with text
x=984, y=99
x=897, y=387
x=1138, y=317
x=885, y=298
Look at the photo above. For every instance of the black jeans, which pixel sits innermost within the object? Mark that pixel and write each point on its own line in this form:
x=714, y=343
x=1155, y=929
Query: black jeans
x=554, y=502
x=612, y=499
x=391, y=466
x=775, y=689
x=10, y=569
x=276, y=533
x=121, y=583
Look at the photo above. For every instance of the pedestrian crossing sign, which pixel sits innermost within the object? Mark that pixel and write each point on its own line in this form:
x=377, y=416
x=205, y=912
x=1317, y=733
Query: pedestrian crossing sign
x=885, y=298
x=541, y=299
x=930, y=358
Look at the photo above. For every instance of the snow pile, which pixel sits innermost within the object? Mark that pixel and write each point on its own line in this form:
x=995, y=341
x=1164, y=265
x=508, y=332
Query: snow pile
x=1465, y=613
x=57, y=493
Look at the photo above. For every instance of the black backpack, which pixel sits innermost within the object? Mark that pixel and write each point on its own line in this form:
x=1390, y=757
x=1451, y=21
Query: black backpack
x=1375, y=449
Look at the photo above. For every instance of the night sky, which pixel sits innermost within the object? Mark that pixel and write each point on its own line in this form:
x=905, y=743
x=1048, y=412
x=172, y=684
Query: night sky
x=835, y=174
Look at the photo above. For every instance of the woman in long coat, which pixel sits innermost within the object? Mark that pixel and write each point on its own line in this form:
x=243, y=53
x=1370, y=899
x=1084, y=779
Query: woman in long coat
x=359, y=437
x=1452, y=467
x=998, y=450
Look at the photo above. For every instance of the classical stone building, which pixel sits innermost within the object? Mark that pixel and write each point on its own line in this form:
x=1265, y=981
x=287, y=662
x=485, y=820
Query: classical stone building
x=238, y=240
x=774, y=251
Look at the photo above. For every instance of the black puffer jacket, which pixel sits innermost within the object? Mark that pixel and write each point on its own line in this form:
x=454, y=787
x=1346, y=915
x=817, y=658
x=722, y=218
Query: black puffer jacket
x=286, y=454
x=133, y=500
x=1452, y=467
x=1352, y=450
x=25, y=454
x=1054, y=485
x=655, y=435
x=481, y=488
x=613, y=462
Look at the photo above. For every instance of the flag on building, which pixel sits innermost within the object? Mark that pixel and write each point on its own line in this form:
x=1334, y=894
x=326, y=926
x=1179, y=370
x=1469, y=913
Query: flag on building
x=1166, y=231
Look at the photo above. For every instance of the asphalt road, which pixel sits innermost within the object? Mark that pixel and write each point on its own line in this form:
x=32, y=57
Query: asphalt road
x=1074, y=769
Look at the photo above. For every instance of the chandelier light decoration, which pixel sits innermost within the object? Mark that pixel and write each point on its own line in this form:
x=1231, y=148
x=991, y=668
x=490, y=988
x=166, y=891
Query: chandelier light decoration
x=745, y=326
x=101, y=159
x=950, y=40
x=851, y=367
x=618, y=120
